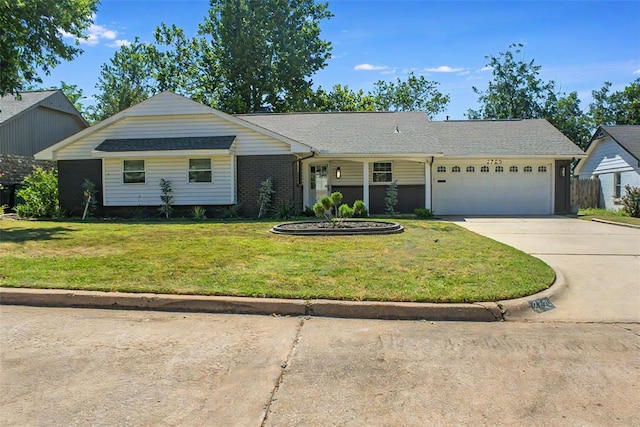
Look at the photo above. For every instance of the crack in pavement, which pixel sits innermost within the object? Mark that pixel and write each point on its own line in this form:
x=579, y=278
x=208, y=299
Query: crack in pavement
x=282, y=371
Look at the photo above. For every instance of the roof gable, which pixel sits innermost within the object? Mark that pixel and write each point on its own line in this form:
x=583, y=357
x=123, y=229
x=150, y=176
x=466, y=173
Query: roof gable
x=627, y=136
x=12, y=106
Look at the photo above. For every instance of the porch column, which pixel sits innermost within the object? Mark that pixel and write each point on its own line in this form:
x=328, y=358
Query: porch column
x=365, y=184
x=427, y=185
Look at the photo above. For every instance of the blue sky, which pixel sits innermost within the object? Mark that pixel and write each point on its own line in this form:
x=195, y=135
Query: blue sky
x=579, y=44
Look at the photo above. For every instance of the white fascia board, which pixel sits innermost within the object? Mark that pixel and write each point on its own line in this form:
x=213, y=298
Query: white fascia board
x=521, y=156
x=165, y=153
x=365, y=156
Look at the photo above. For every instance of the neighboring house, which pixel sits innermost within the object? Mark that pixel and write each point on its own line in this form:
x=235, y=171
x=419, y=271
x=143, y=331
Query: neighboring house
x=614, y=157
x=215, y=159
x=29, y=123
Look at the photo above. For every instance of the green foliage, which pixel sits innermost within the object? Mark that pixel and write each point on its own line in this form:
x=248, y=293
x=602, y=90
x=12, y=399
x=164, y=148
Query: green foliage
x=359, y=209
x=166, y=198
x=617, y=108
x=285, y=210
x=2, y=209
x=566, y=115
x=327, y=203
x=391, y=198
x=318, y=209
x=345, y=211
x=341, y=98
x=32, y=37
x=336, y=198
x=89, y=198
x=516, y=91
x=264, y=196
x=423, y=213
x=631, y=201
x=199, y=213
x=413, y=94
x=125, y=80
x=232, y=212
x=308, y=211
x=40, y=194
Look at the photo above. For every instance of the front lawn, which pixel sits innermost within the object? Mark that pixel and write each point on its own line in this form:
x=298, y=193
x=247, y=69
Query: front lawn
x=430, y=261
x=619, y=216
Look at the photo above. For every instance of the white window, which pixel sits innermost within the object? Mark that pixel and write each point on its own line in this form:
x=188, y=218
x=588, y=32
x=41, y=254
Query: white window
x=484, y=169
x=199, y=170
x=513, y=169
x=471, y=169
x=133, y=172
x=542, y=168
x=499, y=169
x=617, y=186
x=528, y=169
x=382, y=172
x=455, y=169
x=442, y=169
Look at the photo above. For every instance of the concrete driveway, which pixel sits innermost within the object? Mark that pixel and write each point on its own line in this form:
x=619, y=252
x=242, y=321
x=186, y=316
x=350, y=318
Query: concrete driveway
x=600, y=263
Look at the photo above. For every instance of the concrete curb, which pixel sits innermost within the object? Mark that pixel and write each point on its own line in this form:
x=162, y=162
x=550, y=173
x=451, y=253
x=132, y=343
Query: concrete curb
x=478, y=312
x=621, y=224
x=514, y=307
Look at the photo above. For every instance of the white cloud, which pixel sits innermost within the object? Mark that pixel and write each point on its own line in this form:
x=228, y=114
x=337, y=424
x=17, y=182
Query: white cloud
x=369, y=67
x=119, y=43
x=486, y=68
x=464, y=73
x=444, y=69
x=97, y=33
x=637, y=71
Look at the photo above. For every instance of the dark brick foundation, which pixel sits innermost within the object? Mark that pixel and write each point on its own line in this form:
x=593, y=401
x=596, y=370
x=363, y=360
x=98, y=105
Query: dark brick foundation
x=253, y=170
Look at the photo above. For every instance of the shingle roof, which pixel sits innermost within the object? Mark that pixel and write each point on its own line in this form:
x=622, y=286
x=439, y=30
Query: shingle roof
x=529, y=137
x=628, y=136
x=353, y=132
x=10, y=105
x=167, y=144
x=375, y=133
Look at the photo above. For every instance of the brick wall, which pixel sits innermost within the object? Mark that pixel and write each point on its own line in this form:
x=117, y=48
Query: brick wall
x=253, y=170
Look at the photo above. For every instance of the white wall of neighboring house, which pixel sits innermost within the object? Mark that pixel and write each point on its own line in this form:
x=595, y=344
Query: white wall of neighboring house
x=607, y=159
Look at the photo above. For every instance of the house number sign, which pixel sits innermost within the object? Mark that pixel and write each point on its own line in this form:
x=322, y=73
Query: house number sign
x=494, y=161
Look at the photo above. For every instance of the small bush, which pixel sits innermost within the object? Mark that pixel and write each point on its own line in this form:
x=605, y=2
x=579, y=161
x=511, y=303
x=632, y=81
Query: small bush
x=264, y=196
x=391, y=198
x=232, y=212
x=359, y=209
x=166, y=198
x=2, y=209
x=345, y=211
x=40, y=194
x=631, y=201
x=308, y=211
x=285, y=211
x=199, y=213
x=423, y=213
x=89, y=198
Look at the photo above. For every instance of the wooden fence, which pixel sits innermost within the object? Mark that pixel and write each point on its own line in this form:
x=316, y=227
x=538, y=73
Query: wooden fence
x=585, y=192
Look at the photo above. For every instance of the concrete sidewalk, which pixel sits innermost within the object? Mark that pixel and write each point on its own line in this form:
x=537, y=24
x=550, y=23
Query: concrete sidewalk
x=600, y=264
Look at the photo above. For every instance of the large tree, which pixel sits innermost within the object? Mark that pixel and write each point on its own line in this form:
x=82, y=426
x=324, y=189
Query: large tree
x=516, y=91
x=617, y=108
x=127, y=79
x=565, y=114
x=413, y=94
x=31, y=37
x=341, y=98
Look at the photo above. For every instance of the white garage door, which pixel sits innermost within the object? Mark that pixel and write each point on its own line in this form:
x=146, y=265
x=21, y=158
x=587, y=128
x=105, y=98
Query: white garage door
x=492, y=187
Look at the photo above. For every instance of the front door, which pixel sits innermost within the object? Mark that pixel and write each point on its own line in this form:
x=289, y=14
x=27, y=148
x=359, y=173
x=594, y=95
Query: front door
x=319, y=183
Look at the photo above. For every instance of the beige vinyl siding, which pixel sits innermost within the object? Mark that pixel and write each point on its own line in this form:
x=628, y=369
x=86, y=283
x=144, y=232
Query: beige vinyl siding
x=248, y=142
x=405, y=171
x=174, y=169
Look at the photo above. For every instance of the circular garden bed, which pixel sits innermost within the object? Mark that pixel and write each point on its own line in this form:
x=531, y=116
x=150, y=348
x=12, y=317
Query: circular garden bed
x=340, y=227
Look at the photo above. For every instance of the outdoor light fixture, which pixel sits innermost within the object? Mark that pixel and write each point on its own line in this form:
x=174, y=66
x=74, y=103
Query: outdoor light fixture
x=338, y=172
x=563, y=171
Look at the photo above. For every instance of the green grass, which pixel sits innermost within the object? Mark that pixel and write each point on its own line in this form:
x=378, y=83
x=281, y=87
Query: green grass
x=430, y=261
x=618, y=216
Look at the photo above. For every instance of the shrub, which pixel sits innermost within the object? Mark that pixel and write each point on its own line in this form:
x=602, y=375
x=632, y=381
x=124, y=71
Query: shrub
x=199, y=213
x=423, y=213
x=308, y=211
x=631, y=201
x=89, y=197
x=345, y=211
x=40, y=194
x=2, y=208
x=232, y=212
x=264, y=196
x=166, y=198
x=285, y=211
x=391, y=198
x=359, y=209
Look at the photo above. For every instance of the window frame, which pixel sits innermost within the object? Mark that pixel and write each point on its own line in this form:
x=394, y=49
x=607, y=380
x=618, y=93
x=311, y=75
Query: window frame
x=499, y=169
x=441, y=169
x=470, y=169
x=456, y=169
x=542, y=169
x=377, y=173
x=143, y=171
x=617, y=185
x=484, y=169
x=190, y=170
x=527, y=169
x=513, y=169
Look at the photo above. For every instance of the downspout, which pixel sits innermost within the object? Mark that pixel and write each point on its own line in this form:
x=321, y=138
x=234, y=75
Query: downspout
x=430, y=184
